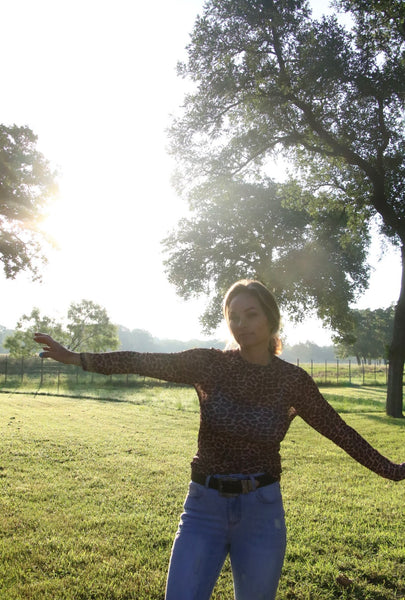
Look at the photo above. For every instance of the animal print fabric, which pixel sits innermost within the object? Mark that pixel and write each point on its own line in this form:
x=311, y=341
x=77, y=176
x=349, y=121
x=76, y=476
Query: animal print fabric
x=245, y=409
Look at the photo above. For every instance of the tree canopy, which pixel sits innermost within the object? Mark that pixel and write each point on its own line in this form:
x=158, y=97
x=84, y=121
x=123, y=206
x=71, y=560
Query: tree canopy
x=89, y=328
x=269, y=80
x=250, y=230
x=27, y=184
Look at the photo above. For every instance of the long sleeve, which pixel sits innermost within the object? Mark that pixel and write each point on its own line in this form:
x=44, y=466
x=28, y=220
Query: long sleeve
x=190, y=366
x=319, y=414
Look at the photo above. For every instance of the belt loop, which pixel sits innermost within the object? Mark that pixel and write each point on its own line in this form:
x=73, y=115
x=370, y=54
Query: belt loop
x=255, y=483
x=207, y=481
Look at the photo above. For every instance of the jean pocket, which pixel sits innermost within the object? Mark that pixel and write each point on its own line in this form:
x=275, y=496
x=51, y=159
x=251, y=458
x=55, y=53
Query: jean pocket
x=269, y=494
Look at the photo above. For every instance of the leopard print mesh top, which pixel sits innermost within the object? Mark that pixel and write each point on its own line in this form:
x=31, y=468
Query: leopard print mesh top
x=245, y=409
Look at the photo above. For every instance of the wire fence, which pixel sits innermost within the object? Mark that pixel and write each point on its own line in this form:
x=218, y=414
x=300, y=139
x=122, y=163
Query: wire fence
x=36, y=373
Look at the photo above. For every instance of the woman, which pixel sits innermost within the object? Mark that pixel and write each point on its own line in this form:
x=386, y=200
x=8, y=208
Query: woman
x=248, y=398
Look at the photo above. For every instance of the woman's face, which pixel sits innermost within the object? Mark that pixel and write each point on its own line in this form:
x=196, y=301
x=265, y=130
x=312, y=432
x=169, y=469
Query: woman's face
x=248, y=322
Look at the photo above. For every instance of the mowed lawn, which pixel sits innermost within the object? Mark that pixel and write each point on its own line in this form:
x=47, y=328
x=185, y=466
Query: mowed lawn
x=91, y=492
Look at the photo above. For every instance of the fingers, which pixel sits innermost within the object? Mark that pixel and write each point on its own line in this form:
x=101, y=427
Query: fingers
x=43, y=338
x=50, y=347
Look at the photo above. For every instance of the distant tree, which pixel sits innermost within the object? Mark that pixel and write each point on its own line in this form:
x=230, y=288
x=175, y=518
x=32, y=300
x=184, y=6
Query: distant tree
x=89, y=328
x=370, y=336
x=268, y=78
x=137, y=339
x=21, y=344
x=4, y=333
x=26, y=186
x=307, y=351
x=141, y=340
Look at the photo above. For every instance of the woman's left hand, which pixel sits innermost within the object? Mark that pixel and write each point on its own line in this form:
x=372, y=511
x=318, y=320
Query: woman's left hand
x=54, y=350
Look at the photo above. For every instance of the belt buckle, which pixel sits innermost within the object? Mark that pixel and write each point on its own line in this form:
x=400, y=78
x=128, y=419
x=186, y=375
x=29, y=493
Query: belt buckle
x=247, y=486
x=223, y=481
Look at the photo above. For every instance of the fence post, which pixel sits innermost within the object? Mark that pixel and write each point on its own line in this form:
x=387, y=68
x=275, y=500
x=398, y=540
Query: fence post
x=6, y=369
x=298, y=362
x=22, y=369
x=326, y=371
x=350, y=371
x=312, y=368
x=58, y=378
x=364, y=371
x=42, y=372
x=337, y=371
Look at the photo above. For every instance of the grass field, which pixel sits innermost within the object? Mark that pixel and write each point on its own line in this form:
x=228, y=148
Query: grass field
x=91, y=492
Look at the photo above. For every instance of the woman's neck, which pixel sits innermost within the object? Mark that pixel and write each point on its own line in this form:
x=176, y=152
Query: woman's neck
x=257, y=356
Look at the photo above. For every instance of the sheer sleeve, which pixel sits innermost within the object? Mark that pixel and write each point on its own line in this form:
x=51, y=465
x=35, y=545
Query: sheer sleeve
x=190, y=366
x=319, y=414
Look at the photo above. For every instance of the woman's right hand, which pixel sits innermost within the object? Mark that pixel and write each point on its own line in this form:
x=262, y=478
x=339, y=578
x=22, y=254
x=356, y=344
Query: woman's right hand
x=54, y=350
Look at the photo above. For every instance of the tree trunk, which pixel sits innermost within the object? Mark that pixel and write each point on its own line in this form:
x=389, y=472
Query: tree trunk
x=397, y=353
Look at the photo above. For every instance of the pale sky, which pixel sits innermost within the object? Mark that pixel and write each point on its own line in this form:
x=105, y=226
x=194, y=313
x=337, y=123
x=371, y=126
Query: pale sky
x=96, y=81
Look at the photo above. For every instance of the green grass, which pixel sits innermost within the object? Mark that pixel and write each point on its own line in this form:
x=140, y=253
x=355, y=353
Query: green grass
x=91, y=492
x=356, y=399
x=138, y=391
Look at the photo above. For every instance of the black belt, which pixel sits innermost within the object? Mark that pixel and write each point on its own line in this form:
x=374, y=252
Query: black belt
x=231, y=486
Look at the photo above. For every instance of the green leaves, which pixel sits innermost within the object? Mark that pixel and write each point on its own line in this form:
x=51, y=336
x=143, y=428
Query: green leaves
x=237, y=230
x=269, y=78
x=89, y=328
x=27, y=184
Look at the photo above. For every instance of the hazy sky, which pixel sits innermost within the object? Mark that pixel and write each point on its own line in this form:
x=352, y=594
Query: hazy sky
x=96, y=81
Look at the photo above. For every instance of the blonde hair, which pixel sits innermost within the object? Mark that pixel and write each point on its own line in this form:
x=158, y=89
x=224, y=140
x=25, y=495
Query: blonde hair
x=266, y=300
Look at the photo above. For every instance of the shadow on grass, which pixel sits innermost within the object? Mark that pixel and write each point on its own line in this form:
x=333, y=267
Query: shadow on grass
x=351, y=405
x=131, y=392
x=62, y=395
x=383, y=418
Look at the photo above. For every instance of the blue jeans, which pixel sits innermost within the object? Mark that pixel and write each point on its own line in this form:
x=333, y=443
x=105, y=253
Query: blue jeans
x=250, y=527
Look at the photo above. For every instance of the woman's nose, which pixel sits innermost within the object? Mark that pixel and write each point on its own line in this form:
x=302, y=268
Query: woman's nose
x=241, y=322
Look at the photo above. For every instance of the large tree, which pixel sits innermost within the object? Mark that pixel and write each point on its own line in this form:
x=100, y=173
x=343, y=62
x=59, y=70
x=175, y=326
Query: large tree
x=269, y=79
x=27, y=184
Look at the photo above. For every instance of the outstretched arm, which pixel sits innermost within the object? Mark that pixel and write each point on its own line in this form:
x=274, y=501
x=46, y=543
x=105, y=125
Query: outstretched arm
x=54, y=350
x=314, y=409
x=189, y=366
